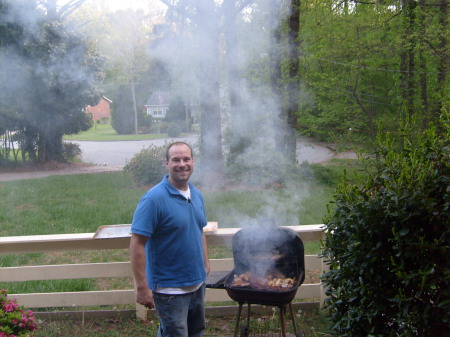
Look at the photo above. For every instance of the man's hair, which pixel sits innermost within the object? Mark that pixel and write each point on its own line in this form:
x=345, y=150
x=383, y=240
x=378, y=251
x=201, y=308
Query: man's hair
x=178, y=143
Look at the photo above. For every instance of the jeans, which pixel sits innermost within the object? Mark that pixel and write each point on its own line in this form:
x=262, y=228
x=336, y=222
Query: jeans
x=181, y=315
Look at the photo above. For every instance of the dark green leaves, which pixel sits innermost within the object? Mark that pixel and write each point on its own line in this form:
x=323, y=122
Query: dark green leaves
x=387, y=243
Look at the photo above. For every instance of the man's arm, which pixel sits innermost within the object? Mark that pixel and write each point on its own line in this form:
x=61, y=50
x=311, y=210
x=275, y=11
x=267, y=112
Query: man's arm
x=144, y=295
x=205, y=254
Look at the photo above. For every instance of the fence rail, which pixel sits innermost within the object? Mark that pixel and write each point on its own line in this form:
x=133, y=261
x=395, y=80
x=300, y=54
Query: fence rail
x=118, y=237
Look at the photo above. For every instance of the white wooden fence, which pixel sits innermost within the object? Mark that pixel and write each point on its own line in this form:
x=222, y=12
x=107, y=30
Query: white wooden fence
x=117, y=237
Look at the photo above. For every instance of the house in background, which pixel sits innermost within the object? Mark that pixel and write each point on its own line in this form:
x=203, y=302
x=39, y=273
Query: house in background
x=100, y=111
x=157, y=105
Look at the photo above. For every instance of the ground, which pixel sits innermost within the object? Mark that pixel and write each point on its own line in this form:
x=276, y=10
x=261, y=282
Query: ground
x=53, y=168
x=56, y=168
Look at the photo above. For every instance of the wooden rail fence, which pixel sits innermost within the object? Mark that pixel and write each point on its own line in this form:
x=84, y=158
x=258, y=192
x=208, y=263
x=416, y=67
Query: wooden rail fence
x=117, y=237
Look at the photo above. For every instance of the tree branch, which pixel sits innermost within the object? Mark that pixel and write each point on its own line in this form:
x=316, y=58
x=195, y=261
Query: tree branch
x=70, y=7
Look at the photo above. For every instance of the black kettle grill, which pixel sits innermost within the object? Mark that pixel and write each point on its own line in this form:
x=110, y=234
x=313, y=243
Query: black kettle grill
x=260, y=251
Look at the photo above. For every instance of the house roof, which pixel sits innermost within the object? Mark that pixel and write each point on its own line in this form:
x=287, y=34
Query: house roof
x=101, y=110
x=159, y=98
x=107, y=99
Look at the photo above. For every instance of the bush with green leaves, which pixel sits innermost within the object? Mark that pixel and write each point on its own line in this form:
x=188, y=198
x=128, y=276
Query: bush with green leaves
x=71, y=151
x=387, y=243
x=174, y=129
x=148, y=165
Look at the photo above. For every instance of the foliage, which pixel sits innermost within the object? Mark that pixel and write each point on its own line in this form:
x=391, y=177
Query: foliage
x=53, y=69
x=174, y=129
x=387, y=242
x=71, y=151
x=147, y=166
x=176, y=111
x=122, y=114
x=325, y=175
x=15, y=320
x=362, y=61
x=179, y=113
x=124, y=36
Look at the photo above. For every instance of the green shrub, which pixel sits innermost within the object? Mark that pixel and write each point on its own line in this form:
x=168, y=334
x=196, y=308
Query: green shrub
x=71, y=151
x=326, y=175
x=387, y=243
x=148, y=165
x=158, y=127
x=174, y=129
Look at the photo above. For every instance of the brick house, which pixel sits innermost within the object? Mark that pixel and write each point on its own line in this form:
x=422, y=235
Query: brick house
x=102, y=110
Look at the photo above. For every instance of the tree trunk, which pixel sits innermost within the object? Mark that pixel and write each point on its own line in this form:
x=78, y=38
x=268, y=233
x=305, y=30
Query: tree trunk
x=133, y=97
x=293, y=82
x=275, y=72
x=239, y=136
x=442, y=88
x=205, y=34
x=423, y=80
x=407, y=58
x=212, y=164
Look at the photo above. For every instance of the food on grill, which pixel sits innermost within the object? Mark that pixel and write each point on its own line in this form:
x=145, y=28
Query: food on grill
x=271, y=281
x=266, y=257
x=241, y=280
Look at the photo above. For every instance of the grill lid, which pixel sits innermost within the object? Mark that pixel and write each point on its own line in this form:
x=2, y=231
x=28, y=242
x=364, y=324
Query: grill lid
x=260, y=250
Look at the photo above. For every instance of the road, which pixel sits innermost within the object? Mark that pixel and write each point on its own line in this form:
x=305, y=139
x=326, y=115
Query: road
x=117, y=154
x=113, y=156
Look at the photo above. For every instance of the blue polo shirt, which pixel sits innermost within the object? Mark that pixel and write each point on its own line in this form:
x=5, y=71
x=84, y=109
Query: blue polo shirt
x=174, y=226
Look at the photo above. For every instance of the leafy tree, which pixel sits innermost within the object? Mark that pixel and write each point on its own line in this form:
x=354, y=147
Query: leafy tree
x=367, y=61
x=122, y=115
x=54, y=72
x=123, y=37
x=387, y=241
x=177, y=112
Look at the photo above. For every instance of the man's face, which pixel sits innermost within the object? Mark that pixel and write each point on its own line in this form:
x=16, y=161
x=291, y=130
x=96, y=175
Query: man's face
x=180, y=165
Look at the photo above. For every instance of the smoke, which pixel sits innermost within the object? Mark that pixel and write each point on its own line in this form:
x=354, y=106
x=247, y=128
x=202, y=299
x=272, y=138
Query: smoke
x=211, y=46
x=14, y=77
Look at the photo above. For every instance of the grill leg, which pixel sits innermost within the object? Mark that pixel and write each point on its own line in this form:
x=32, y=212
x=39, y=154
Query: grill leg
x=283, y=322
x=238, y=319
x=293, y=318
x=248, y=316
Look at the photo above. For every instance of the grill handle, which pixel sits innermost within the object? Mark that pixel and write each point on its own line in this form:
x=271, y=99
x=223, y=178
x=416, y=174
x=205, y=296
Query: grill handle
x=216, y=279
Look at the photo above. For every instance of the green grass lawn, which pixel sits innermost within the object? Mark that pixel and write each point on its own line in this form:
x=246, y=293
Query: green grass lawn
x=105, y=132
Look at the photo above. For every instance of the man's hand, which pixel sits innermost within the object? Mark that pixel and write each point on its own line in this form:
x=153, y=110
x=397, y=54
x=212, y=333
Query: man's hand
x=145, y=297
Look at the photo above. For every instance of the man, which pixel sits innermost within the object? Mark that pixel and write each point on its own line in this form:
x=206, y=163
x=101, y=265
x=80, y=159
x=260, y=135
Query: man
x=168, y=248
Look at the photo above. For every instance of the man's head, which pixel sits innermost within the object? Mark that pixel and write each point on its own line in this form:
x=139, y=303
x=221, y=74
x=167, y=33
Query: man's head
x=180, y=163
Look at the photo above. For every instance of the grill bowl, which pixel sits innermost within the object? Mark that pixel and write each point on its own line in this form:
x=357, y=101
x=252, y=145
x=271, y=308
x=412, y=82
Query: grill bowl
x=262, y=250
x=249, y=294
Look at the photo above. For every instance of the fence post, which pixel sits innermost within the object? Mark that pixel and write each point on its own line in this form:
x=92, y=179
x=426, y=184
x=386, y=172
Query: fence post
x=324, y=268
x=141, y=312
